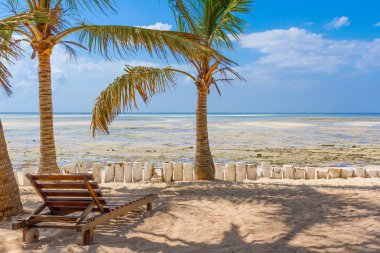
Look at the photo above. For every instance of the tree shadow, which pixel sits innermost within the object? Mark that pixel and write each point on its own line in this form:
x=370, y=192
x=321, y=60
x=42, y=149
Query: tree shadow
x=300, y=207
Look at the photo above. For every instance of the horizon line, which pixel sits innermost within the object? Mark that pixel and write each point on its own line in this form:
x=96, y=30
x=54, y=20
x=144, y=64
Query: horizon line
x=208, y=113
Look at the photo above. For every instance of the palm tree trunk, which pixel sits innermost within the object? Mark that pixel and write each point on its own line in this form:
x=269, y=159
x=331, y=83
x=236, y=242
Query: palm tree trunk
x=10, y=202
x=48, y=158
x=204, y=164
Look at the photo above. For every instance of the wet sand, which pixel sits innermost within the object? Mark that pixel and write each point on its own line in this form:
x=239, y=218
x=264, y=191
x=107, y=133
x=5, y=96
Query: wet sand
x=158, y=138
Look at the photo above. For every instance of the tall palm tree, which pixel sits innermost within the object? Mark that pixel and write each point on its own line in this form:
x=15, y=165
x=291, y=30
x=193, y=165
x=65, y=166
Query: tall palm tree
x=10, y=202
x=216, y=23
x=48, y=23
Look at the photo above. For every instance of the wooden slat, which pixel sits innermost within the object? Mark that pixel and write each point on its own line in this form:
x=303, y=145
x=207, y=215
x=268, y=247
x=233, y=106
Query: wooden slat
x=65, y=185
x=94, y=196
x=70, y=193
x=68, y=203
x=72, y=209
x=74, y=199
x=116, y=212
x=57, y=226
x=56, y=177
x=85, y=213
x=53, y=218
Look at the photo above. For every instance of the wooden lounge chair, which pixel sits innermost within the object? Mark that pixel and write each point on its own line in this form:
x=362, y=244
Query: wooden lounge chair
x=75, y=202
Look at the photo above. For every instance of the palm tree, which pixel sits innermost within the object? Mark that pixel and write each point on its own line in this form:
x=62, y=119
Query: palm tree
x=216, y=23
x=48, y=23
x=10, y=202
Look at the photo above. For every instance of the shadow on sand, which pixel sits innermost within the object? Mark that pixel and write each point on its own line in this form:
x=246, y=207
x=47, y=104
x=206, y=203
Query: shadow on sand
x=297, y=210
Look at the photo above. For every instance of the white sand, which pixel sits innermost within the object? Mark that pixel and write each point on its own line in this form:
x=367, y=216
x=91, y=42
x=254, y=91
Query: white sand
x=266, y=216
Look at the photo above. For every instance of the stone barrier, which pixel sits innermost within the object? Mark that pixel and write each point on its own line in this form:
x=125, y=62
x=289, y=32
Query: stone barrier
x=219, y=171
x=188, y=169
x=127, y=172
x=110, y=173
x=137, y=171
x=230, y=170
x=276, y=172
x=288, y=171
x=119, y=172
x=148, y=171
x=233, y=172
x=177, y=171
x=97, y=172
x=168, y=171
x=241, y=171
x=251, y=172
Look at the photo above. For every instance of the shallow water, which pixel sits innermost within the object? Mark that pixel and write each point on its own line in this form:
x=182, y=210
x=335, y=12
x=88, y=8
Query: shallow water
x=159, y=137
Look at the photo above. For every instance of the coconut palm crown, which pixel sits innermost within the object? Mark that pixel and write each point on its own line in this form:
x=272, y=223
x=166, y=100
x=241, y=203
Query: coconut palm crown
x=216, y=23
x=45, y=24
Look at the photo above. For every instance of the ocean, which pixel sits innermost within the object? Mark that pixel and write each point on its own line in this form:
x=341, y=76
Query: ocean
x=276, y=137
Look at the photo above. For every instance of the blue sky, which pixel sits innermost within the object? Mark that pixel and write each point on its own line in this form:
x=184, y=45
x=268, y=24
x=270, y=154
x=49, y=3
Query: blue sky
x=296, y=55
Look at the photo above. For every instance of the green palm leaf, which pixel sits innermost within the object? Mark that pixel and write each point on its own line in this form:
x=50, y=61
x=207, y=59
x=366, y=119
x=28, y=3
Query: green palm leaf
x=9, y=50
x=123, y=94
x=121, y=40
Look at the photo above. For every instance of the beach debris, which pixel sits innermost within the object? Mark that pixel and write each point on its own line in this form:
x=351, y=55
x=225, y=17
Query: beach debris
x=137, y=171
x=97, y=172
x=230, y=169
x=264, y=170
x=219, y=171
x=288, y=171
x=276, y=172
x=309, y=172
x=148, y=171
x=252, y=171
x=168, y=171
x=119, y=172
x=241, y=171
x=127, y=172
x=334, y=173
x=359, y=172
x=188, y=171
x=177, y=171
x=110, y=173
x=259, y=155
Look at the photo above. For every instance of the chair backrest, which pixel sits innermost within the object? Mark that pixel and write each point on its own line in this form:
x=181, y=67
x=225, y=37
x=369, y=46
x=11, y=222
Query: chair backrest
x=68, y=192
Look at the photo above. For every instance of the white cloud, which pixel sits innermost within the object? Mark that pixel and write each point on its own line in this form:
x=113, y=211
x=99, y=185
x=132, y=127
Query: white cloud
x=159, y=26
x=304, y=51
x=337, y=22
x=377, y=24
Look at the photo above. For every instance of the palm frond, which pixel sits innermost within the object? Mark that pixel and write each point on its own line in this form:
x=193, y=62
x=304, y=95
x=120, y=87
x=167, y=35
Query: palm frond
x=226, y=22
x=214, y=21
x=121, y=40
x=91, y=5
x=9, y=50
x=124, y=92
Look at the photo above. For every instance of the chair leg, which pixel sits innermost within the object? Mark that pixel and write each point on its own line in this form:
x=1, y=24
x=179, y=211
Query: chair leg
x=149, y=207
x=30, y=235
x=88, y=236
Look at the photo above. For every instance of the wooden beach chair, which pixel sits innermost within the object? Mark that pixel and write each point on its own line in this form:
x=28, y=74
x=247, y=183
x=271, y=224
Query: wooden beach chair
x=75, y=202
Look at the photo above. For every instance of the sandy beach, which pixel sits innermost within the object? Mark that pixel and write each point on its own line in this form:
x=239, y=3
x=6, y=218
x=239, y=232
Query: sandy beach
x=265, y=216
